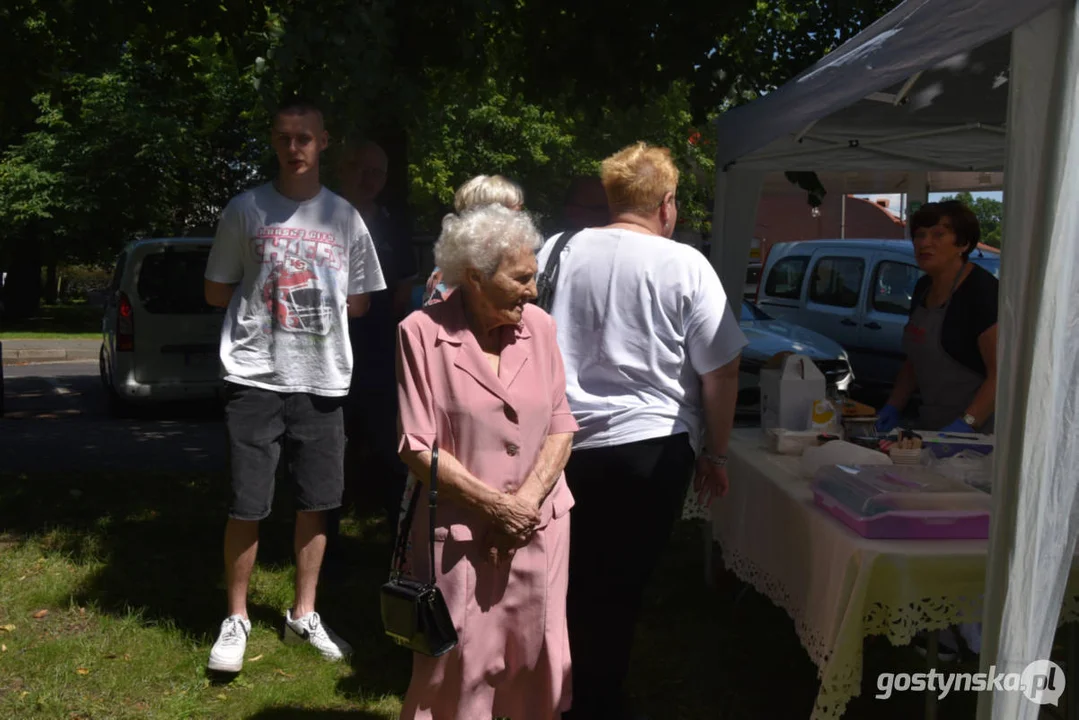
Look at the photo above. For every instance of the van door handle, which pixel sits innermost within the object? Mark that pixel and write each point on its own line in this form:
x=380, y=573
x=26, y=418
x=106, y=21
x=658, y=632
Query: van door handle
x=873, y=325
x=848, y=322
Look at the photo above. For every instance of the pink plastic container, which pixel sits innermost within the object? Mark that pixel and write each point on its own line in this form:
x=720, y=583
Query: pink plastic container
x=902, y=503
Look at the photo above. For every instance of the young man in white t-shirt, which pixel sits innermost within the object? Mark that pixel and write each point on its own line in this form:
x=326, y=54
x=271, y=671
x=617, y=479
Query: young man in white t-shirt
x=291, y=262
x=651, y=349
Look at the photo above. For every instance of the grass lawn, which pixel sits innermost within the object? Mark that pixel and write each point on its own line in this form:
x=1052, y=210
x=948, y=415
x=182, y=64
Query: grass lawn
x=128, y=569
x=56, y=322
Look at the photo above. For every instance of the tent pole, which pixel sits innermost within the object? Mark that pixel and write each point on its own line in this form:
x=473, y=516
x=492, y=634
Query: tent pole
x=830, y=145
x=917, y=191
x=921, y=161
x=907, y=87
x=843, y=217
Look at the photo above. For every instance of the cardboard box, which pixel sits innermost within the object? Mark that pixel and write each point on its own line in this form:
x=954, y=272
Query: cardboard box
x=787, y=393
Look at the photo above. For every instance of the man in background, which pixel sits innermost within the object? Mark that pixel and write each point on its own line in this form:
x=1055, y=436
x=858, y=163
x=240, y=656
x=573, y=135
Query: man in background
x=586, y=204
x=371, y=410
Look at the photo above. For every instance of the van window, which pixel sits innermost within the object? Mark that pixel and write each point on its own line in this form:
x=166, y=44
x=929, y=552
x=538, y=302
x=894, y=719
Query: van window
x=171, y=282
x=836, y=281
x=785, y=278
x=893, y=287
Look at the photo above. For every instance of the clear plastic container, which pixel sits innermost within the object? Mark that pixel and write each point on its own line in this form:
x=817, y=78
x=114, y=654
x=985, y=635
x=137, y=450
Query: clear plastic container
x=902, y=502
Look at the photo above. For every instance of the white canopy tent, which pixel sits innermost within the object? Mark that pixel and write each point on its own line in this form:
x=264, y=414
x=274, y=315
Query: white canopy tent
x=934, y=96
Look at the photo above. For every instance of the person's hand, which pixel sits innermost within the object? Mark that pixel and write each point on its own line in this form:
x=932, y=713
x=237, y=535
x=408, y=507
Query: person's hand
x=887, y=418
x=499, y=546
x=529, y=493
x=515, y=516
x=433, y=282
x=958, y=426
x=710, y=482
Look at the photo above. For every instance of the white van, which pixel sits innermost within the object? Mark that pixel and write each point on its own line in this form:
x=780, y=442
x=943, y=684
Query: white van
x=857, y=292
x=161, y=339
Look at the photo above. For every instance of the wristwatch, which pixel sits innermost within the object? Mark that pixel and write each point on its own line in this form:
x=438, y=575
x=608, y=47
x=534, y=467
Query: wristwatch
x=717, y=460
x=969, y=420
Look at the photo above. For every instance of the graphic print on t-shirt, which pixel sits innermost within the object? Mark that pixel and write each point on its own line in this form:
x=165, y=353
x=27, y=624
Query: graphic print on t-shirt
x=294, y=292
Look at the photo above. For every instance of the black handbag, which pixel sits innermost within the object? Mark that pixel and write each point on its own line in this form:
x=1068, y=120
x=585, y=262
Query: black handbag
x=414, y=613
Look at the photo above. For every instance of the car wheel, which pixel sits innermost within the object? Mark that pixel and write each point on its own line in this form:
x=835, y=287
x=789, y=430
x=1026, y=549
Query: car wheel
x=117, y=406
x=103, y=370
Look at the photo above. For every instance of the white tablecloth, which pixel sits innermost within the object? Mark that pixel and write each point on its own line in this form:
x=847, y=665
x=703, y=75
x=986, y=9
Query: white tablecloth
x=837, y=586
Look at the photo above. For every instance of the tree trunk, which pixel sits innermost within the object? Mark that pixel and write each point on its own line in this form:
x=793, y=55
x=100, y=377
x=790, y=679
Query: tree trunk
x=51, y=290
x=22, y=291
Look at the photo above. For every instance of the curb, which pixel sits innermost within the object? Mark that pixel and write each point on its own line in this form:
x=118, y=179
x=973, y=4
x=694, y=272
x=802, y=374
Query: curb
x=23, y=357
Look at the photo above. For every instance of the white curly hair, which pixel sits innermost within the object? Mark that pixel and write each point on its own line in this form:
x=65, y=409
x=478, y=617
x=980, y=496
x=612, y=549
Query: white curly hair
x=480, y=238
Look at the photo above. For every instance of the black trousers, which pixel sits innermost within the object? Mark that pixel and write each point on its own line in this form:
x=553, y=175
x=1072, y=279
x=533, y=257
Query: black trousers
x=628, y=499
x=372, y=466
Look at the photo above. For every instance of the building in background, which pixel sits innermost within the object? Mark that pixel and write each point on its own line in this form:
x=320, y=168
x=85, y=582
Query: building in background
x=788, y=217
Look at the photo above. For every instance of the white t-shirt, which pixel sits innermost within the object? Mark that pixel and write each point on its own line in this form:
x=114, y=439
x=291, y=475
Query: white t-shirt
x=640, y=319
x=286, y=328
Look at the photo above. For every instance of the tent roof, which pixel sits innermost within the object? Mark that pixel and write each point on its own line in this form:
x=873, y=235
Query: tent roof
x=925, y=87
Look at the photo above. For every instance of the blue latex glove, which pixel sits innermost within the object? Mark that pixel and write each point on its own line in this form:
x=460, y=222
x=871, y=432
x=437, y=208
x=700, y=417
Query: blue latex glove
x=887, y=418
x=957, y=426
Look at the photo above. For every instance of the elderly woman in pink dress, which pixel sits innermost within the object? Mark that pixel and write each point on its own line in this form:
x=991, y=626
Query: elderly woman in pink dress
x=481, y=374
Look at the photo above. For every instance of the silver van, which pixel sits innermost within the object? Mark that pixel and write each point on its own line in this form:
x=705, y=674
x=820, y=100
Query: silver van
x=857, y=292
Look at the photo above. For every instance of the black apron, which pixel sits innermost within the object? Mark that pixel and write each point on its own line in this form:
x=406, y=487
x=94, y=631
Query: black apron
x=947, y=386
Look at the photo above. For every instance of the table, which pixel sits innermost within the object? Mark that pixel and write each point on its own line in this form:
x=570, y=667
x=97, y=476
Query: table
x=837, y=586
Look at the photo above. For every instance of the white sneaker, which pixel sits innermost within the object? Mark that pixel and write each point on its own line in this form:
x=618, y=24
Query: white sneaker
x=309, y=629
x=227, y=654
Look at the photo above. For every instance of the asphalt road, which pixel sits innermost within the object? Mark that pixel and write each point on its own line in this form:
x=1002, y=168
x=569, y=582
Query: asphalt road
x=57, y=420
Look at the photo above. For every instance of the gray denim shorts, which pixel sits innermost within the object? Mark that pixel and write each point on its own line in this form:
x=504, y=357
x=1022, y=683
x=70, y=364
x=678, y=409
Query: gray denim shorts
x=311, y=430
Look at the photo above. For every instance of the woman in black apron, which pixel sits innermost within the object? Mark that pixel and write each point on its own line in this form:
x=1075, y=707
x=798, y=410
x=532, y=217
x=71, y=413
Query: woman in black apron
x=951, y=338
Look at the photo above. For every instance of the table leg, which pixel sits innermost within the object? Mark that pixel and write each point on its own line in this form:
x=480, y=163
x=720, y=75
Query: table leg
x=931, y=655
x=1071, y=642
x=709, y=570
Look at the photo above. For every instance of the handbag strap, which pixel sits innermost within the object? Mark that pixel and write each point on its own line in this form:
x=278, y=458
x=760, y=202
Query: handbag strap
x=405, y=528
x=550, y=270
x=433, y=500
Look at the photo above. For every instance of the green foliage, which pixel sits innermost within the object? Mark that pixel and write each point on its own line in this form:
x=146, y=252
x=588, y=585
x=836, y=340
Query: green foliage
x=481, y=129
x=543, y=146
x=990, y=213
x=78, y=280
x=136, y=118
x=144, y=149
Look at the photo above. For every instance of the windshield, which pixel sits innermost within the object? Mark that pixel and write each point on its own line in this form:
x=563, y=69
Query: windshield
x=170, y=282
x=752, y=313
x=989, y=261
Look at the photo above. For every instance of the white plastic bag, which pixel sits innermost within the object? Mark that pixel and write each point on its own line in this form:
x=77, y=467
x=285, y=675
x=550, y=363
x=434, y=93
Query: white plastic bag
x=970, y=467
x=840, y=452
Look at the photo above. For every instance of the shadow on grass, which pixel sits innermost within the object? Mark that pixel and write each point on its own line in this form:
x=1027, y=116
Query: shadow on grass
x=158, y=538
x=70, y=318
x=716, y=653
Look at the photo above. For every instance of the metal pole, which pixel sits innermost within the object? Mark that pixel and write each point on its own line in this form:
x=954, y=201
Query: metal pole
x=843, y=217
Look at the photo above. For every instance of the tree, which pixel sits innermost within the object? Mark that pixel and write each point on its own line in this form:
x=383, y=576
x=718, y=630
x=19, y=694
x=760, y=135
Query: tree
x=540, y=90
x=129, y=117
x=990, y=214
x=140, y=150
